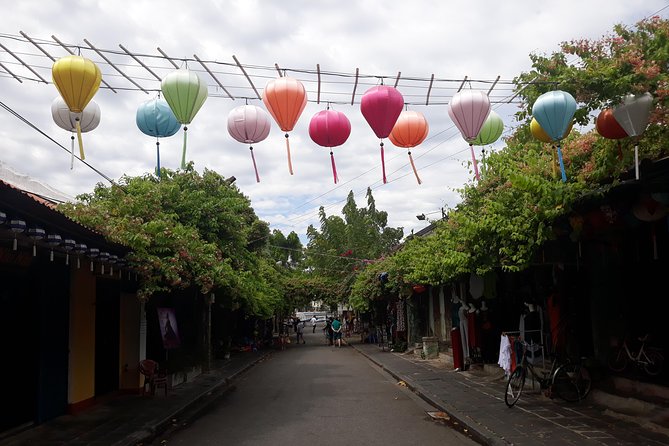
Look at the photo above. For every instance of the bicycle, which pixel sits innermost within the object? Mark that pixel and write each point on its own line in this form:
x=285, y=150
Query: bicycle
x=651, y=359
x=569, y=381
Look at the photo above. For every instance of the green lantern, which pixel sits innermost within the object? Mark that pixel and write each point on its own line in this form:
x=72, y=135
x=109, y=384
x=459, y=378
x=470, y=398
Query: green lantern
x=490, y=131
x=185, y=92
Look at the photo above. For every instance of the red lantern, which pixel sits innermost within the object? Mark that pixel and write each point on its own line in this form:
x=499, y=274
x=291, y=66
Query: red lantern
x=410, y=130
x=285, y=99
x=381, y=106
x=329, y=128
x=608, y=127
x=418, y=289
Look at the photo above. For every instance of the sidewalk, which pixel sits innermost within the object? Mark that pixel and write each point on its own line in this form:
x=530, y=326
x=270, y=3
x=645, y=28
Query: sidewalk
x=129, y=420
x=476, y=401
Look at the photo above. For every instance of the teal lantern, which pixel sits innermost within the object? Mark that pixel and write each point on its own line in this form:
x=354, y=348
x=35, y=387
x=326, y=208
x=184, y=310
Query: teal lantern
x=554, y=111
x=185, y=92
x=155, y=118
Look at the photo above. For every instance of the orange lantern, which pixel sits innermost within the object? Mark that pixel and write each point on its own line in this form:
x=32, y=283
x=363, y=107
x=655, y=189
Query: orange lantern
x=410, y=130
x=285, y=99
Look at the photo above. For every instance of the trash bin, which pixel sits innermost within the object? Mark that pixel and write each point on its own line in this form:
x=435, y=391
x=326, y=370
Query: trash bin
x=418, y=349
x=431, y=347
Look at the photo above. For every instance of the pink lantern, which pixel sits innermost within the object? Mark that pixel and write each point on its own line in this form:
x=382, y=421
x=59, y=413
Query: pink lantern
x=249, y=124
x=381, y=106
x=468, y=110
x=329, y=128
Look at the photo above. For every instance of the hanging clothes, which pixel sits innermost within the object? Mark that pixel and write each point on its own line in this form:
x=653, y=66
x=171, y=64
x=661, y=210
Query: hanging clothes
x=464, y=331
x=505, y=354
x=458, y=358
x=401, y=320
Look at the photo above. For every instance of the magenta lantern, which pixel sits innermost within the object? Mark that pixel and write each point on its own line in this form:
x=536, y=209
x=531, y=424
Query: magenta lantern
x=249, y=124
x=329, y=128
x=468, y=110
x=381, y=106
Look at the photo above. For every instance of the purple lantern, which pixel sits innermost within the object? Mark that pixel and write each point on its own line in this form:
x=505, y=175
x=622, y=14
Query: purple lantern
x=249, y=124
x=468, y=110
x=329, y=128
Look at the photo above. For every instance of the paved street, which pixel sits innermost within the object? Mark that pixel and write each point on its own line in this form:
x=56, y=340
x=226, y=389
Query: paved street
x=321, y=395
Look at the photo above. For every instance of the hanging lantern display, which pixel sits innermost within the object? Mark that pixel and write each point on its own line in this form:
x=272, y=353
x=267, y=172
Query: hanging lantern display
x=155, y=118
x=92, y=254
x=112, y=261
x=68, y=245
x=185, y=92
x=633, y=116
x=381, y=106
x=88, y=120
x=103, y=258
x=17, y=226
x=53, y=240
x=607, y=127
x=409, y=131
x=36, y=234
x=79, y=249
x=249, y=124
x=330, y=128
x=554, y=112
x=77, y=80
x=285, y=99
x=491, y=130
x=468, y=110
x=539, y=134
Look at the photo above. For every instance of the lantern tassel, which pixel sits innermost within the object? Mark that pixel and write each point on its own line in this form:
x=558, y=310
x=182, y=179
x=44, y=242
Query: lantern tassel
x=290, y=163
x=158, y=159
x=334, y=167
x=413, y=166
x=636, y=161
x=72, y=152
x=255, y=166
x=383, y=164
x=476, y=166
x=81, y=141
x=620, y=151
x=183, y=153
x=562, y=171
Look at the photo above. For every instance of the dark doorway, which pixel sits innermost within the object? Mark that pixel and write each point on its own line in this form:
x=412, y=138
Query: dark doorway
x=107, y=336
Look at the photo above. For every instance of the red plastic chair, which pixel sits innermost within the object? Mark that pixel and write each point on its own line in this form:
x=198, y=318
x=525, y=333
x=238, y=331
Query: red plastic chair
x=153, y=376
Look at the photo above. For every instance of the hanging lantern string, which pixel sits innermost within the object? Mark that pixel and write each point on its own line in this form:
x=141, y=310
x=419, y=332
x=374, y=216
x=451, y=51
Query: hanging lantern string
x=290, y=163
x=255, y=166
x=81, y=141
x=183, y=153
x=72, y=152
x=413, y=166
x=620, y=151
x=636, y=161
x=561, y=161
x=383, y=164
x=554, y=162
x=476, y=166
x=334, y=168
x=157, y=157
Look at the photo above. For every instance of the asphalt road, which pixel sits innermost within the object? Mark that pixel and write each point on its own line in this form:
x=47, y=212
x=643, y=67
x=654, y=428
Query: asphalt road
x=314, y=394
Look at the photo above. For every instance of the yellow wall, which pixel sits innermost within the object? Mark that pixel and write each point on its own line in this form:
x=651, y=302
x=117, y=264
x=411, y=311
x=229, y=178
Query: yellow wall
x=129, y=348
x=82, y=335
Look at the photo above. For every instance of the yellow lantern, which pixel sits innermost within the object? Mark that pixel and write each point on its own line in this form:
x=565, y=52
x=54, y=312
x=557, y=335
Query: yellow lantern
x=77, y=80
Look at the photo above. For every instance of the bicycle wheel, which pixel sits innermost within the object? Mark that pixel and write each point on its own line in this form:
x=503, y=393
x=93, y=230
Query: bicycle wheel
x=572, y=382
x=655, y=362
x=515, y=386
x=617, y=360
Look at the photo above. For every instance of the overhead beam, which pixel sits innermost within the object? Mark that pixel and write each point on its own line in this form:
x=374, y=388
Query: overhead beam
x=462, y=84
x=355, y=85
x=23, y=63
x=10, y=72
x=397, y=79
x=53, y=59
x=276, y=65
x=139, y=62
x=168, y=58
x=318, y=72
x=213, y=77
x=247, y=76
x=71, y=52
x=115, y=67
x=493, y=85
x=429, y=90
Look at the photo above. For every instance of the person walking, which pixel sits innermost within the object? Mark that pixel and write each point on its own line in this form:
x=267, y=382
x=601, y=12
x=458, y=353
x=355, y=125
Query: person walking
x=300, y=332
x=328, y=330
x=313, y=324
x=336, y=329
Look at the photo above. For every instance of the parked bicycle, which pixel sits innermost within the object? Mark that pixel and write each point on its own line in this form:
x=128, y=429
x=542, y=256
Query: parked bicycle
x=569, y=381
x=649, y=358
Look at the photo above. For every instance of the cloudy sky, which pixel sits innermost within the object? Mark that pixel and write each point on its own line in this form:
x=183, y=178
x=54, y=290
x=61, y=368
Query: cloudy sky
x=480, y=40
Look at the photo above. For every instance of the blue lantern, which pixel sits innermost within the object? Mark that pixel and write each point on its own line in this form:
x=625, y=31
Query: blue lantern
x=155, y=118
x=554, y=111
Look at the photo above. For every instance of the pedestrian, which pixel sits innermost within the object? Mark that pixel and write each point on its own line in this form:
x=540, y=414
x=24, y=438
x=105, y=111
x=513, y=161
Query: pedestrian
x=300, y=332
x=313, y=324
x=336, y=329
x=328, y=330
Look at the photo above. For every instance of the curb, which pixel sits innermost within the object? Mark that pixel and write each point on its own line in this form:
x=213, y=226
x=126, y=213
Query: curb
x=223, y=386
x=479, y=435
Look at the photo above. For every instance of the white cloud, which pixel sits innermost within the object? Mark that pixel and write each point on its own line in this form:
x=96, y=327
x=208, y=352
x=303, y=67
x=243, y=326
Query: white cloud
x=478, y=39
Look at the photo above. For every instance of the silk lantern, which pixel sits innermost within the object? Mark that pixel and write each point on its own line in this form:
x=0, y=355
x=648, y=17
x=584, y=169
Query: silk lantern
x=409, y=131
x=554, y=111
x=87, y=120
x=285, y=99
x=469, y=109
x=381, y=106
x=491, y=130
x=542, y=136
x=607, y=127
x=185, y=92
x=77, y=79
x=633, y=116
x=155, y=118
x=249, y=124
x=329, y=128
